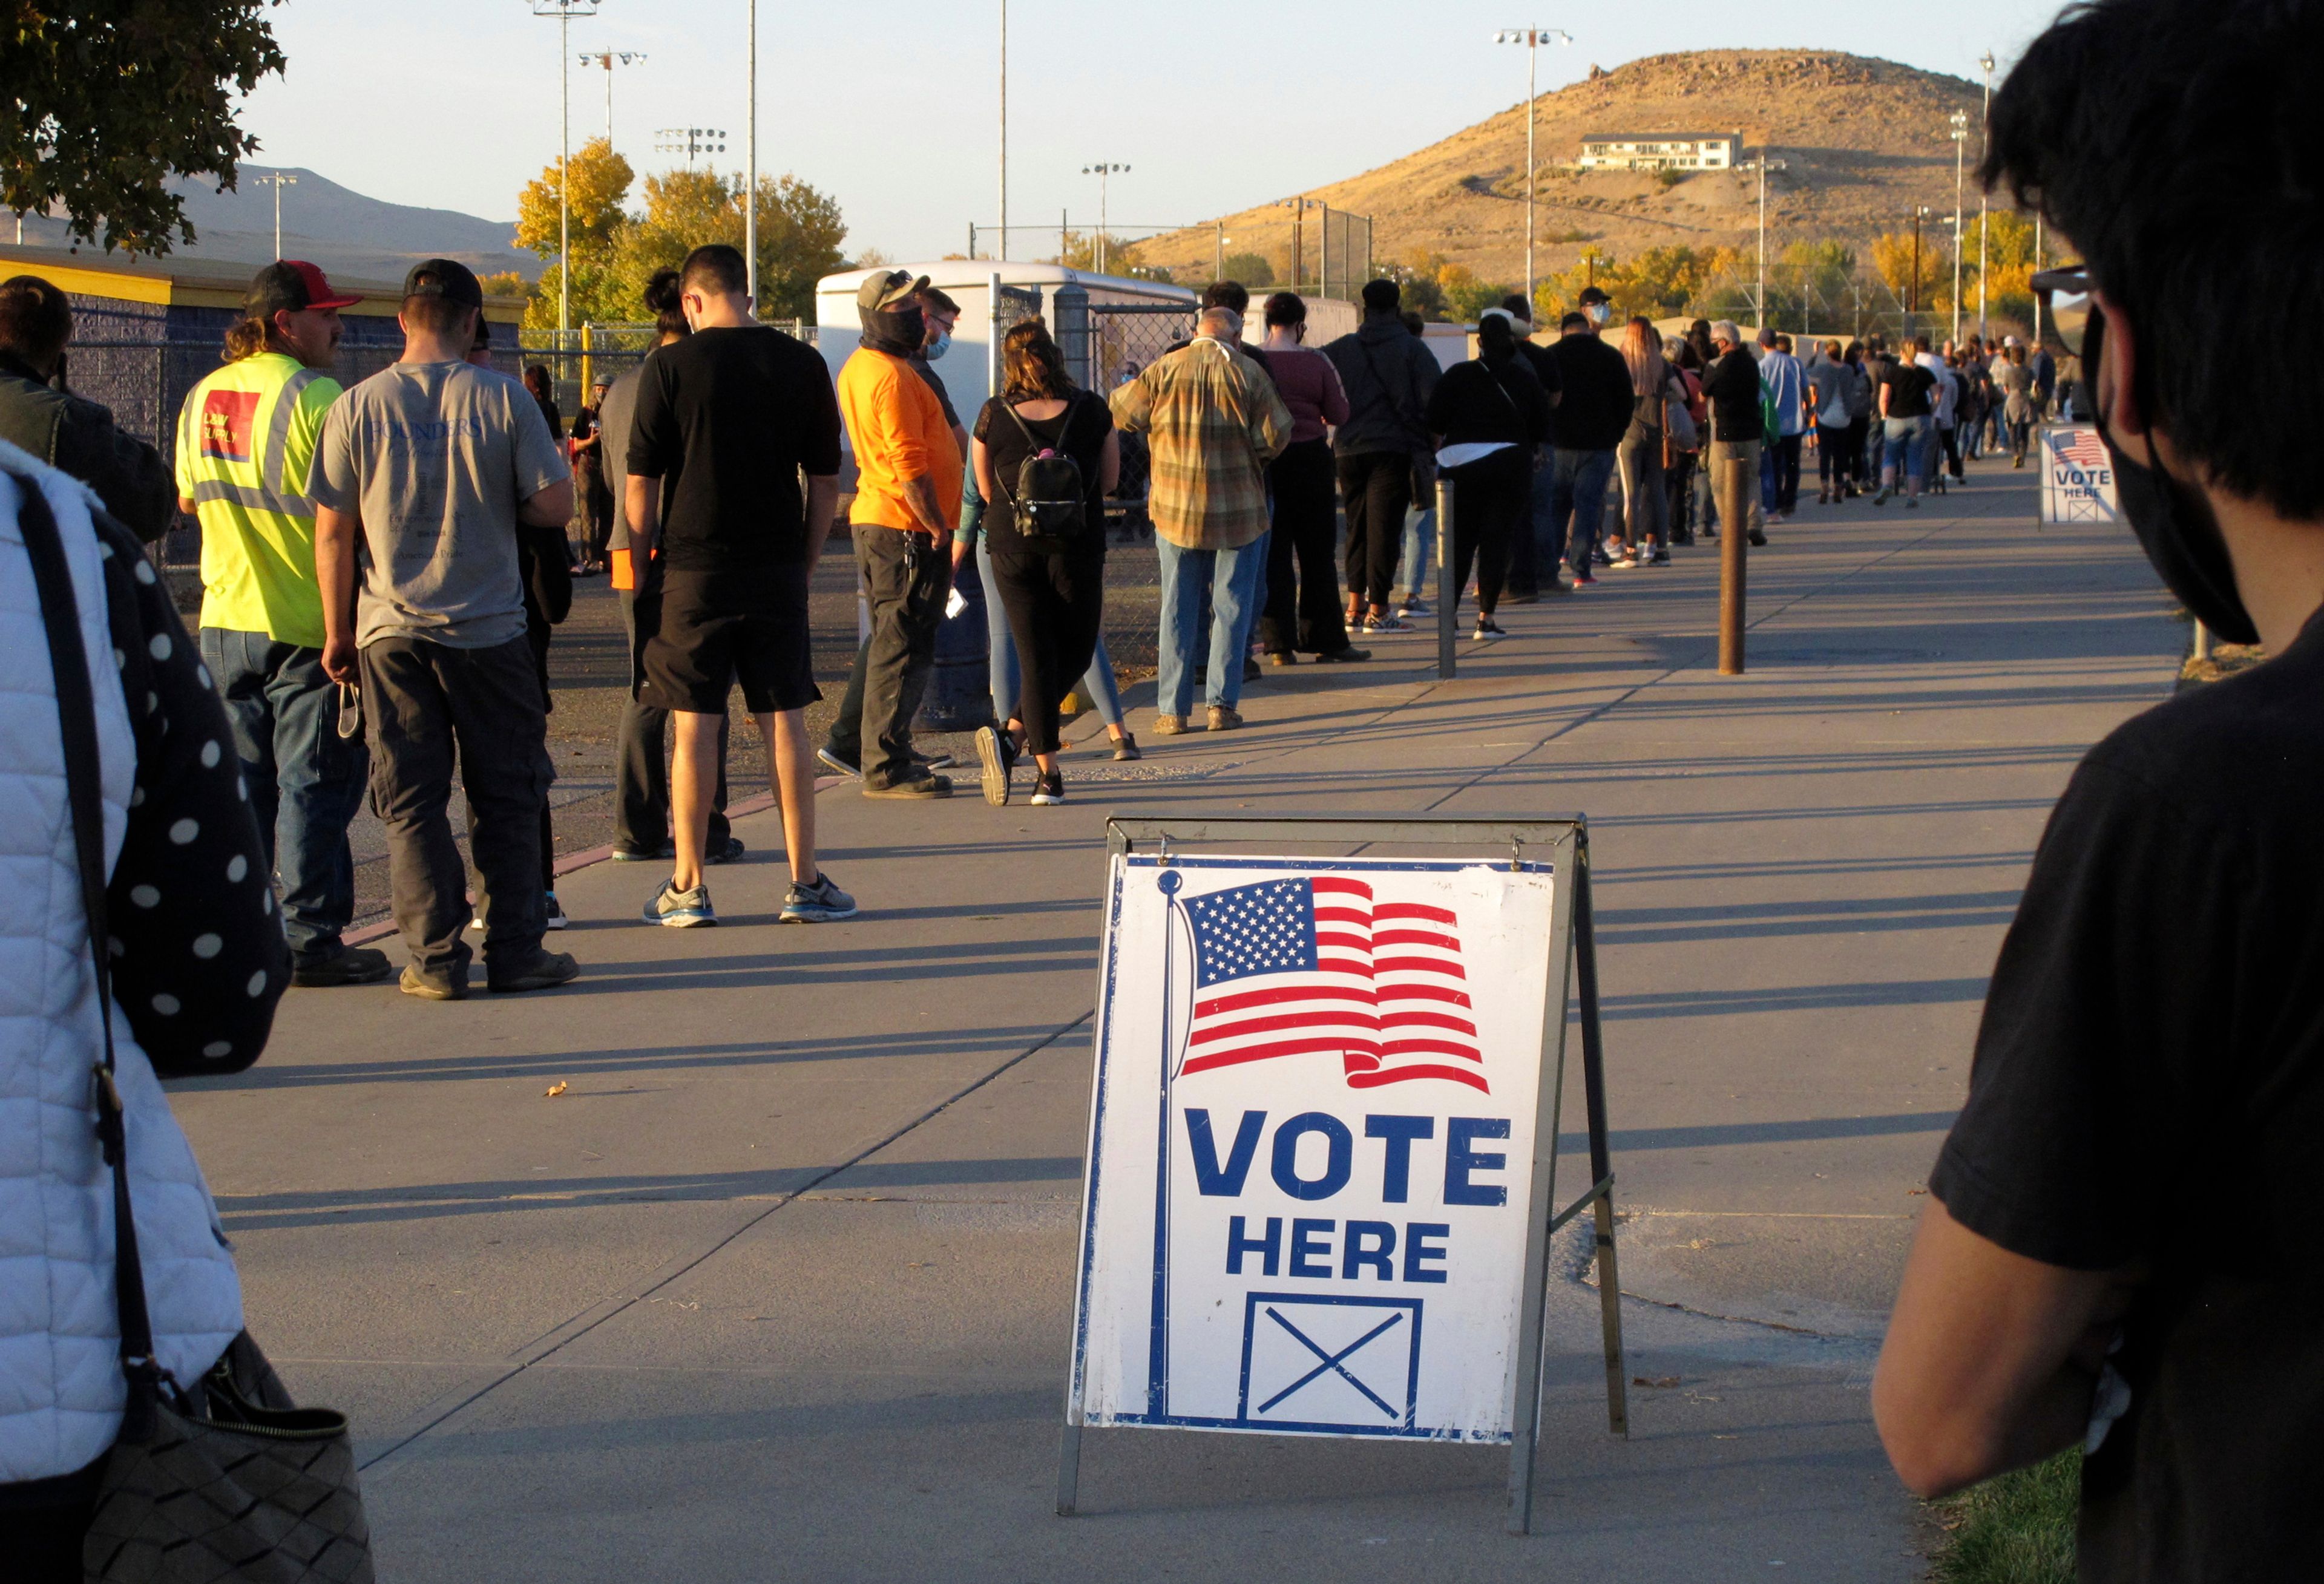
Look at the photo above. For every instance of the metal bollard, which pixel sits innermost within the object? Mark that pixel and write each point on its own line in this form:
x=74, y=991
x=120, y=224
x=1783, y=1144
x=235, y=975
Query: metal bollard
x=1448, y=598
x=1734, y=532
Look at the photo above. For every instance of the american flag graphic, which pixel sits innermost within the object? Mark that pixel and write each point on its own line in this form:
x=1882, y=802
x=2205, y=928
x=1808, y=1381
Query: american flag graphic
x=1314, y=966
x=2080, y=448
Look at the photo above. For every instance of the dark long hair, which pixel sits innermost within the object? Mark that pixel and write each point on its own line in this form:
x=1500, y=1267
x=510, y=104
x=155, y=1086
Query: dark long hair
x=1033, y=365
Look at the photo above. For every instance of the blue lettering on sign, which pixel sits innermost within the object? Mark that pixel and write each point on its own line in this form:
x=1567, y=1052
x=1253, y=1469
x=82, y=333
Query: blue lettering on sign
x=1419, y=1252
x=1307, y=1248
x=1210, y=1177
x=1459, y=1160
x=1269, y=1249
x=1371, y=1243
x=1398, y=1132
x=1338, y=1166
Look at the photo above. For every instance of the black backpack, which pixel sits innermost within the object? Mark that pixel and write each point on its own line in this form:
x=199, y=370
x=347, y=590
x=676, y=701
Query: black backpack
x=1049, y=505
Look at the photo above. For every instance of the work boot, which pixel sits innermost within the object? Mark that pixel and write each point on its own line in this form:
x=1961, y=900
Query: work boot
x=443, y=985
x=1169, y=726
x=348, y=965
x=1223, y=719
x=544, y=969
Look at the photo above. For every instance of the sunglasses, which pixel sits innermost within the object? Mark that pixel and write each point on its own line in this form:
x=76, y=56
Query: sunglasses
x=2065, y=295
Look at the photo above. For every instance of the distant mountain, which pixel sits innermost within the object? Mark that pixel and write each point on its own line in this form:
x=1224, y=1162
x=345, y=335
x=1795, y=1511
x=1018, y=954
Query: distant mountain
x=327, y=224
x=1862, y=140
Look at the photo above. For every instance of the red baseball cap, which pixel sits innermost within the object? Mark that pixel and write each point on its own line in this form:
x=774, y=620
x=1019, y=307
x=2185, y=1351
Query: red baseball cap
x=293, y=285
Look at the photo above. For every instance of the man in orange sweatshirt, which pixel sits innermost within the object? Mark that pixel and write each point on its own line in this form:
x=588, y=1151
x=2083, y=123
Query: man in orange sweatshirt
x=907, y=504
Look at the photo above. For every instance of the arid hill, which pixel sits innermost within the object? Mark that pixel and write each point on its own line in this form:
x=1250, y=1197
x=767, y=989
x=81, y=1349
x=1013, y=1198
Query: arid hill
x=1862, y=140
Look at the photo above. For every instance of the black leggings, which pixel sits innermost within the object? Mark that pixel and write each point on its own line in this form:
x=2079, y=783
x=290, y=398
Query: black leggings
x=1377, y=486
x=1488, y=499
x=1055, y=605
x=1303, y=612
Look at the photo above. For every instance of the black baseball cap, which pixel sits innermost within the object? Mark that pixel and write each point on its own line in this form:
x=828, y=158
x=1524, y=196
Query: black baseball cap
x=293, y=285
x=1591, y=294
x=446, y=278
x=880, y=293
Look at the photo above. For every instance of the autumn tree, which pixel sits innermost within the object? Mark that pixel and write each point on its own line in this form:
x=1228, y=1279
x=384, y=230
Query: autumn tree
x=1893, y=254
x=107, y=100
x=592, y=203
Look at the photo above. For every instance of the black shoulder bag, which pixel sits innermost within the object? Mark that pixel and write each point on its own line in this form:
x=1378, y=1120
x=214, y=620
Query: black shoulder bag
x=207, y=1486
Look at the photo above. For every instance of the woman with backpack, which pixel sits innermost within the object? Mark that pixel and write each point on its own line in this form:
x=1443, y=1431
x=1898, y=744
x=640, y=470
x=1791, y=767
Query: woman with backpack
x=1494, y=399
x=1046, y=455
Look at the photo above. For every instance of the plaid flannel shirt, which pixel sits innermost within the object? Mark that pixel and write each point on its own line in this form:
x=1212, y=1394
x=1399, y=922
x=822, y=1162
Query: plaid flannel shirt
x=1213, y=421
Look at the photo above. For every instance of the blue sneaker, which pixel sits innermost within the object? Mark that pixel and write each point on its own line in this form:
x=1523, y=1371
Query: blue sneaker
x=679, y=909
x=817, y=902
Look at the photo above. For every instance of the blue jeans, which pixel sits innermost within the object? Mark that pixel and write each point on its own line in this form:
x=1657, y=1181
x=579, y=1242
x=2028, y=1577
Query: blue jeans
x=1001, y=657
x=1419, y=553
x=1907, y=454
x=1232, y=577
x=1578, y=495
x=306, y=781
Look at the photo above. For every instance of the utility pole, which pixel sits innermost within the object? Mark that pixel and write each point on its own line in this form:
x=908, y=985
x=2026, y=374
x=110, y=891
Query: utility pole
x=751, y=167
x=1763, y=165
x=1220, y=275
x=278, y=181
x=1532, y=39
x=1100, y=170
x=1960, y=119
x=564, y=11
x=1984, y=146
x=1001, y=254
x=1913, y=298
x=609, y=59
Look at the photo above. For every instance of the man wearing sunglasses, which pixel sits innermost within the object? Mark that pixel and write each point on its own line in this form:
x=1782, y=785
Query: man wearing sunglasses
x=2120, y=1248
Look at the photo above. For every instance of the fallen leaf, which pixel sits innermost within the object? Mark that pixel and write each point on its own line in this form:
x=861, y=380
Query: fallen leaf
x=554, y=1090
x=1653, y=1380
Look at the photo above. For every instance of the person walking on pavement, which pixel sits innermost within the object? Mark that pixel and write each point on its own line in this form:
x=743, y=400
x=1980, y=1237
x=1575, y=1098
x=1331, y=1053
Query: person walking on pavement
x=1830, y=391
x=1302, y=577
x=2016, y=382
x=70, y=432
x=641, y=745
x=907, y=504
x=1046, y=457
x=1214, y=421
x=1491, y=400
x=1907, y=406
x=1782, y=387
x=1522, y=584
x=727, y=421
x=1737, y=427
x=246, y=445
x=1592, y=415
x=426, y=474
x=843, y=746
x=1387, y=376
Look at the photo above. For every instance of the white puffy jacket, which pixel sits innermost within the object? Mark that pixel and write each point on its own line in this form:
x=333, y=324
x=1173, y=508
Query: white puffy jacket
x=60, y=1384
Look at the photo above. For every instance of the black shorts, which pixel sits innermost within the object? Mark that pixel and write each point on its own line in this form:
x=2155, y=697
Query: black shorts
x=719, y=628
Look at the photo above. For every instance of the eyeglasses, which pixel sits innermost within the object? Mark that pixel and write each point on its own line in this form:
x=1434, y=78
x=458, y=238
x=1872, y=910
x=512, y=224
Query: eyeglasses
x=2065, y=296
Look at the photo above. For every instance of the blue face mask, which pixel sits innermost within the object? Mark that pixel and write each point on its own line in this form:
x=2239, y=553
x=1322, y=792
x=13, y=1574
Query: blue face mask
x=938, y=347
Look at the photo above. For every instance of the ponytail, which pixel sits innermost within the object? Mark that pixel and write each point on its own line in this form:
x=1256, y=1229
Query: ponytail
x=245, y=338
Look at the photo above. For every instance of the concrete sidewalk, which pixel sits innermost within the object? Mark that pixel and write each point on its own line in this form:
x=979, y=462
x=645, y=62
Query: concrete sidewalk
x=779, y=1287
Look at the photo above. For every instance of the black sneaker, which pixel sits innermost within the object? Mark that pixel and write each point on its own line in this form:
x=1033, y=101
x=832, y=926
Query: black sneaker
x=350, y=965
x=661, y=854
x=730, y=851
x=556, y=915
x=544, y=970
x=1126, y=750
x=1346, y=654
x=915, y=783
x=1049, y=790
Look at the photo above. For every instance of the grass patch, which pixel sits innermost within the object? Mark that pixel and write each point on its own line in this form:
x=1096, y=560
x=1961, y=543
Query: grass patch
x=2018, y=1529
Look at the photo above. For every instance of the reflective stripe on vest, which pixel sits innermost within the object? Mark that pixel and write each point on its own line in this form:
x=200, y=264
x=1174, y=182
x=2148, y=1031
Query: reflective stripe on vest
x=271, y=456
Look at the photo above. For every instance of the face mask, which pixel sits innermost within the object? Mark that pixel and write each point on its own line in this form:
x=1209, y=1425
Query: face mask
x=1600, y=313
x=938, y=347
x=897, y=331
x=2180, y=533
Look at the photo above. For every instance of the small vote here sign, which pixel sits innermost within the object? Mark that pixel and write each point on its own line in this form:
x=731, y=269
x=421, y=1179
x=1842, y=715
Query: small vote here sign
x=1310, y=1140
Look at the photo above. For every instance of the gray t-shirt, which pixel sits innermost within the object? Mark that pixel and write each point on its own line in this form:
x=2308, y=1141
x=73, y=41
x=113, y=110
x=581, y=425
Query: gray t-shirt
x=436, y=457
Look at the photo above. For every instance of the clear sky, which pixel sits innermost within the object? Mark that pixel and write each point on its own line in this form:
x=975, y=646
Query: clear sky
x=1215, y=104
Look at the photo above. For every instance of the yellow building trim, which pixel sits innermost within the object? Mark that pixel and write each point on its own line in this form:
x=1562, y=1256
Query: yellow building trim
x=210, y=285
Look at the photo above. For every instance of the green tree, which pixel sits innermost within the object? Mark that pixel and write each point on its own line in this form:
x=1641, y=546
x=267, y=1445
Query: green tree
x=108, y=99
x=601, y=183
x=1892, y=261
x=1250, y=269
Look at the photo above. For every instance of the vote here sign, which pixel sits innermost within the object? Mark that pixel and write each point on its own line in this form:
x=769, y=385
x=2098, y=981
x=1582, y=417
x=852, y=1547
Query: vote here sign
x=1310, y=1140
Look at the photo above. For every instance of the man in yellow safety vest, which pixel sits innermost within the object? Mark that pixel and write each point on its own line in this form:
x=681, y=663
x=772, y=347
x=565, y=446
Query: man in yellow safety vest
x=245, y=448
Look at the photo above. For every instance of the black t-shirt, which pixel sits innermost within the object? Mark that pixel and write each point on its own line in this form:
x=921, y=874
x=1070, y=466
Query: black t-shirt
x=1595, y=412
x=1909, y=387
x=729, y=417
x=2149, y=1087
x=1079, y=432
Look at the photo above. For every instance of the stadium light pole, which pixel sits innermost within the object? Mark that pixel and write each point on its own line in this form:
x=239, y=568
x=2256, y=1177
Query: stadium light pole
x=1984, y=146
x=564, y=11
x=1000, y=253
x=1100, y=170
x=609, y=59
x=689, y=141
x=1531, y=38
x=1960, y=119
x=1763, y=165
x=278, y=181
x=751, y=168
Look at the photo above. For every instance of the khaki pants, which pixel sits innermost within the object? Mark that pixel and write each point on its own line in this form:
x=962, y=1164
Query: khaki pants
x=1734, y=484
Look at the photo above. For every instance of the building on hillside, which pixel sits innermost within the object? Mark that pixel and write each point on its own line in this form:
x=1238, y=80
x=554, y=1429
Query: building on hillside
x=1661, y=150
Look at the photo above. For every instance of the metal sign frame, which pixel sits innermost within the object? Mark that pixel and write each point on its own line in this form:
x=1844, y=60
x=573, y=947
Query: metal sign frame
x=1573, y=976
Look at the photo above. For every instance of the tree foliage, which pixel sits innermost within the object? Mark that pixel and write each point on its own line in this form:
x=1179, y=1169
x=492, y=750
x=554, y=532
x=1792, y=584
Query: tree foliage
x=1893, y=256
x=106, y=100
x=600, y=181
x=1659, y=283
x=1250, y=268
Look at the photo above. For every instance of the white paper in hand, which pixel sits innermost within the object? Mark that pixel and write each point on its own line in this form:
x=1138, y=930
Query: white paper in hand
x=955, y=604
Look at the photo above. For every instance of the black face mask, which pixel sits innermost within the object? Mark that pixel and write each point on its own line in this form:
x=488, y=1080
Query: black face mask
x=897, y=332
x=2177, y=529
